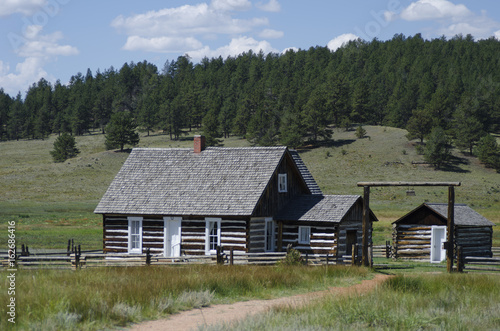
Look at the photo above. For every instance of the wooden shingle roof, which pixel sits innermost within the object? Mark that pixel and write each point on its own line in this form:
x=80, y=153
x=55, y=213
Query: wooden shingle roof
x=463, y=214
x=306, y=175
x=215, y=182
x=318, y=208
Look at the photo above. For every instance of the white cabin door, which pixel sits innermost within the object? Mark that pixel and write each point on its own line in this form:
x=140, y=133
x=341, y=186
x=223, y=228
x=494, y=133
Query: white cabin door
x=172, y=237
x=438, y=237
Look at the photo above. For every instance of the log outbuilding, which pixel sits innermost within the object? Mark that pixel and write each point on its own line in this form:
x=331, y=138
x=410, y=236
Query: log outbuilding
x=257, y=199
x=421, y=233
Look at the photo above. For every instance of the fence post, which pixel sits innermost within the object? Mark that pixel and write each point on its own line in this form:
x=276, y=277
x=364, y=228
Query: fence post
x=68, y=251
x=148, y=256
x=387, y=249
x=327, y=260
x=307, y=258
x=460, y=259
x=231, y=256
x=353, y=254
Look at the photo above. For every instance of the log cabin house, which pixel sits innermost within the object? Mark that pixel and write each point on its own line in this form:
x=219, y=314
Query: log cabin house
x=179, y=201
x=421, y=233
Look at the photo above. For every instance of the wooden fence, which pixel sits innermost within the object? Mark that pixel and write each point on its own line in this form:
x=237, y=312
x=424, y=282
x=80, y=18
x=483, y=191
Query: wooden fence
x=90, y=259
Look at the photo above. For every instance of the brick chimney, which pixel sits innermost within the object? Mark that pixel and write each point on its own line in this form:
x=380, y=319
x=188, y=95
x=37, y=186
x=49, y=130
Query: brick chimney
x=199, y=144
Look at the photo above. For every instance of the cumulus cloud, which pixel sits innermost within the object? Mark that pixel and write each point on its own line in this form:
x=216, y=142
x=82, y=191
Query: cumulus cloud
x=43, y=46
x=339, y=41
x=162, y=44
x=185, y=29
x=236, y=47
x=271, y=6
x=271, y=34
x=453, y=18
x=24, y=7
x=228, y=5
x=37, y=49
x=183, y=21
x=434, y=9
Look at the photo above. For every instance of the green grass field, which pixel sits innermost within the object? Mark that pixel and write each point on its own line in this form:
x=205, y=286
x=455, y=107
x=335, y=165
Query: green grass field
x=409, y=302
x=53, y=202
x=102, y=298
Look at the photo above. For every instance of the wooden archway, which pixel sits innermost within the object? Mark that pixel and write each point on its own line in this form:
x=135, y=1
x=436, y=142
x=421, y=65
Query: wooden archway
x=450, y=222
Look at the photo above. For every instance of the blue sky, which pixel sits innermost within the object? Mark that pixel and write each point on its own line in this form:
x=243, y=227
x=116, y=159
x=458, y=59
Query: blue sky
x=56, y=39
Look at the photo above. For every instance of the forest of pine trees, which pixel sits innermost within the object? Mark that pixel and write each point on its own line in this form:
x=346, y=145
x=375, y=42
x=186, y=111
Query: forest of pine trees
x=288, y=99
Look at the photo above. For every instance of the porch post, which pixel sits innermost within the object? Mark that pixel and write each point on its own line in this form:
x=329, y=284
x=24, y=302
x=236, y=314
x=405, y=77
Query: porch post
x=280, y=236
x=451, y=229
x=366, y=227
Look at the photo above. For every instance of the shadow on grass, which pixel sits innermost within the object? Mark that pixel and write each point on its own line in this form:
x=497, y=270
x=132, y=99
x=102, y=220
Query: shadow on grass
x=326, y=143
x=453, y=165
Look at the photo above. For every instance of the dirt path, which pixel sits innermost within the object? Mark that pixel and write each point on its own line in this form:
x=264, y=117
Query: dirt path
x=192, y=319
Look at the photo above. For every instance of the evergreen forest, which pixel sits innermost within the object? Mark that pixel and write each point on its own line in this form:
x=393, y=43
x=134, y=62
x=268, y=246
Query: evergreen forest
x=291, y=98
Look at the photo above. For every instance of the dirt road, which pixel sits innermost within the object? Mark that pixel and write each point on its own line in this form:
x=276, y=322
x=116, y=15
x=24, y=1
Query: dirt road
x=192, y=319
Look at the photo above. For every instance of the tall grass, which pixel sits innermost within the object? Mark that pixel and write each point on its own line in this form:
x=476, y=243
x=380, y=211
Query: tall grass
x=423, y=302
x=103, y=297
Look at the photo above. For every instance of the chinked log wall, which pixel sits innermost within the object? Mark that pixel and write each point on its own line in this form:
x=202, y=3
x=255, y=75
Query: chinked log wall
x=115, y=233
x=412, y=241
x=323, y=239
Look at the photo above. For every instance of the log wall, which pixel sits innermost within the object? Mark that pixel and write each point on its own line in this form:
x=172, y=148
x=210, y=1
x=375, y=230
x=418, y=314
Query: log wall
x=115, y=235
x=413, y=241
x=323, y=238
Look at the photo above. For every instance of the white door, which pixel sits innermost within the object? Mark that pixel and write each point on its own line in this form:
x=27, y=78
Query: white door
x=438, y=237
x=172, y=237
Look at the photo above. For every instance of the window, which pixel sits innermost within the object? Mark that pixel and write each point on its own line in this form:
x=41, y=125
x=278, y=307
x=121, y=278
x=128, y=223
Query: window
x=282, y=185
x=270, y=233
x=212, y=235
x=304, y=234
x=135, y=235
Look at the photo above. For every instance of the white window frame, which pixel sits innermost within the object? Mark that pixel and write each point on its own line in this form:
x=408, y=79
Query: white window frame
x=267, y=234
x=307, y=230
x=282, y=183
x=217, y=221
x=131, y=221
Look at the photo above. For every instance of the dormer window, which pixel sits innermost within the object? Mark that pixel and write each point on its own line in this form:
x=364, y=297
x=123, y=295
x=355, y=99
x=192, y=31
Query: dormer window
x=282, y=184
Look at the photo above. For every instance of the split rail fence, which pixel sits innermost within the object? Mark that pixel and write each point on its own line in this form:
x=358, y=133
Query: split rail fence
x=77, y=259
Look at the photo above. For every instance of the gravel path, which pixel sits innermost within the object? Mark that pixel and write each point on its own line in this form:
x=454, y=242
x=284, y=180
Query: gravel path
x=192, y=319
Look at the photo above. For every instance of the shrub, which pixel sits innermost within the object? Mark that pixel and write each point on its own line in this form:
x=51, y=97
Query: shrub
x=64, y=148
x=292, y=258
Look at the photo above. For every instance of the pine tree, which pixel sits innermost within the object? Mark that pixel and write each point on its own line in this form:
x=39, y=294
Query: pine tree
x=121, y=131
x=64, y=148
x=437, y=149
x=488, y=151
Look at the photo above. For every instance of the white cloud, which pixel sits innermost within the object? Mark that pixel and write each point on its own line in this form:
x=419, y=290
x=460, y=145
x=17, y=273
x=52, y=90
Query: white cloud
x=162, y=44
x=434, y=9
x=452, y=18
x=186, y=28
x=271, y=6
x=43, y=46
x=339, y=41
x=228, y=5
x=271, y=34
x=37, y=49
x=24, y=7
x=25, y=74
x=293, y=49
x=236, y=47
x=497, y=34
x=185, y=20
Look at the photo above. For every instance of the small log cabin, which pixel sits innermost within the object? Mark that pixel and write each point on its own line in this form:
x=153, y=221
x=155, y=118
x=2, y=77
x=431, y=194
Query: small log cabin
x=257, y=199
x=420, y=234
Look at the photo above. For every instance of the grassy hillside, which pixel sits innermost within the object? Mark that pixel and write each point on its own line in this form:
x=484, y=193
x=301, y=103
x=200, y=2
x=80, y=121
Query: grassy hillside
x=52, y=202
